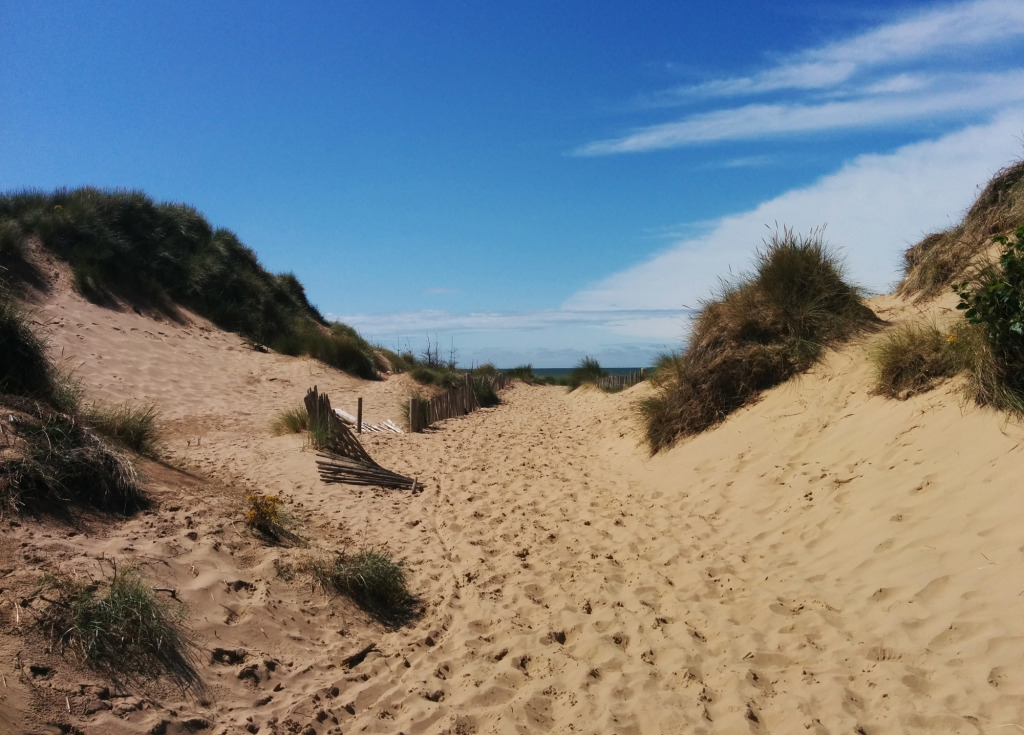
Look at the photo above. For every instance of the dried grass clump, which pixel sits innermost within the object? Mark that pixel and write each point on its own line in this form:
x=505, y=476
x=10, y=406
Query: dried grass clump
x=56, y=463
x=756, y=334
x=132, y=425
x=913, y=358
x=933, y=264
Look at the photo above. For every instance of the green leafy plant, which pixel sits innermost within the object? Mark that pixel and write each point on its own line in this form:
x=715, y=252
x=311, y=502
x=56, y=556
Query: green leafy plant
x=124, y=629
x=996, y=300
x=993, y=300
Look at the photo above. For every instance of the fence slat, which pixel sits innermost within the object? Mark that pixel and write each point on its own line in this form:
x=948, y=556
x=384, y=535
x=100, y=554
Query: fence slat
x=456, y=402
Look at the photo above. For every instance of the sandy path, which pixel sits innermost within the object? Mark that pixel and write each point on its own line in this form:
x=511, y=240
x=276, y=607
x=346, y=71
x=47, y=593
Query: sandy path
x=826, y=561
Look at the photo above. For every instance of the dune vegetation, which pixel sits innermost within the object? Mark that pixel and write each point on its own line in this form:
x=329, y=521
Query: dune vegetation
x=982, y=260
x=61, y=453
x=937, y=261
x=754, y=334
x=123, y=246
x=985, y=343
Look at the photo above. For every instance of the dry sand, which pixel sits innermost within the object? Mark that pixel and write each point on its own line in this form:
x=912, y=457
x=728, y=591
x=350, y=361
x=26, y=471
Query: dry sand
x=825, y=561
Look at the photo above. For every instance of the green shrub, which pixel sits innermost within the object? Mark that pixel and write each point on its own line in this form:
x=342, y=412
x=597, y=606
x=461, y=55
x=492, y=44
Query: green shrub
x=121, y=245
x=131, y=425
x=994, y=301
x=372, y=579
x=586, y=372
x=757, y=333
x=483, y=390
x=392, y=361
x=444, y=377
x=524, y=373
x=126, y=631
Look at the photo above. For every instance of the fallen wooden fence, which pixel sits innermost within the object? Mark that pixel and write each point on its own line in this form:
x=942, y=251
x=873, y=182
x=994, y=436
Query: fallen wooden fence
x=342, y=458
x=456, y=402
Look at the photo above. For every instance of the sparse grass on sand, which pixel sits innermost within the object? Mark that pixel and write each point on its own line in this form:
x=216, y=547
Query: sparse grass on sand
x=755, y=334
x=125, y=630
x=370, y=578
x=292, y=421
x=133, y=425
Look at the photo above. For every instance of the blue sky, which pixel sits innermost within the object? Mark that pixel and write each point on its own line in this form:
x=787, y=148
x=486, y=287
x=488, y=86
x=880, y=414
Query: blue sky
x=534, y=181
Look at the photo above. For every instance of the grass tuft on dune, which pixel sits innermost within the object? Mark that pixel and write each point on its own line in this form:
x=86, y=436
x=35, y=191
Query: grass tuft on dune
x=755, y=334
x=932, y=265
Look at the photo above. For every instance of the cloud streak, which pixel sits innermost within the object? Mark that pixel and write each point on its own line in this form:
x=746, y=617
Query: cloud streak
x=869, y=80
x=978, y=94
x=940, y=32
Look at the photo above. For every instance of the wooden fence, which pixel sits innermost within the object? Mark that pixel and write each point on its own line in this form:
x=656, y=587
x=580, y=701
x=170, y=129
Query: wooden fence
x=621, y=382
x=456, y=402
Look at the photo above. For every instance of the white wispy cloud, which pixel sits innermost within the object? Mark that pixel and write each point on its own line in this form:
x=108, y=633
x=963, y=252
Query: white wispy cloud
x=981, y=93
x=937, y=32
x=874, y=207
x=429, y=321
x=869, y=80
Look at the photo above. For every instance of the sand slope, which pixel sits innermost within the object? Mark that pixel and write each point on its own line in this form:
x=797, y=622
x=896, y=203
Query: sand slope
x=826, y=561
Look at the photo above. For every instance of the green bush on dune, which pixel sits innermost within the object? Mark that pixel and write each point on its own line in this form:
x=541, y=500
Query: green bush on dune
x=122, y=245
x=755, y=334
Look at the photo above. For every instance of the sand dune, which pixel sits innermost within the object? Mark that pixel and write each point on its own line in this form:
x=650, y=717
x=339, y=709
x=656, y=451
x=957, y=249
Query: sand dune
x=825, y=561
